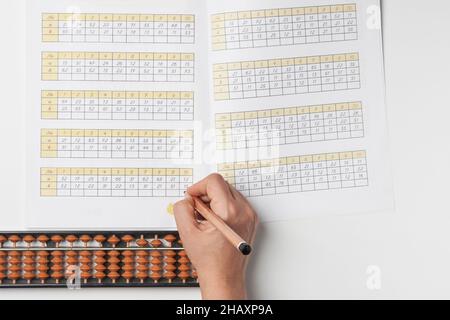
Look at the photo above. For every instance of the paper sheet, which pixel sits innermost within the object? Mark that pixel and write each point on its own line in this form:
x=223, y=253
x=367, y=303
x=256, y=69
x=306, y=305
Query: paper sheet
x=129, y=103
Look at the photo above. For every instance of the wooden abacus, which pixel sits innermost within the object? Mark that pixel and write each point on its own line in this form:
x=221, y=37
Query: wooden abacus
x=99, y=259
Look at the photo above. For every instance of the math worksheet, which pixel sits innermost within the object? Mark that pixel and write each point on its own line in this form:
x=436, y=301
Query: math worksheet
x=130, y=102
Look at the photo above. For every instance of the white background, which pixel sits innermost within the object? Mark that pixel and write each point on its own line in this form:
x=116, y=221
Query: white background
x=324, y=257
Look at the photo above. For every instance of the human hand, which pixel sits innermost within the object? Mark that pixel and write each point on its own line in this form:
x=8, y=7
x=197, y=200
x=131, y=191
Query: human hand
x=220, y=266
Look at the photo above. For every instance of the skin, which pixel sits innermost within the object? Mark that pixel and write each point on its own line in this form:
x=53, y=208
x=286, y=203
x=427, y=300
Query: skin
x=220, y=267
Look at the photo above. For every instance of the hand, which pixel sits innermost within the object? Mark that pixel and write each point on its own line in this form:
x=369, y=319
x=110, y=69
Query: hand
x=220, y=266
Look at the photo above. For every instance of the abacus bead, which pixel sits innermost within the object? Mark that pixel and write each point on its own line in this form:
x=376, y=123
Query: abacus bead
x=169, y=275
x=43, y=267
x=182, y=253
x=184, y=267
x=155, y=276
x=43, y=238
x=155, y=254
x=113, y=267
x=85, y=268
x=56, y=267
x=15, y=268
x=100, y=268
x=57, y=239
x=127, y=253
x=128, y=260
x=14, y=275
x=170, y=253
x=85, y=238
x=85, y=260
x=142, y=268
x=99, y=253
x=71, y=238
x=127, y=238
x=14, y=239
x=85, y=274
x=183, y=260
x=142, y=253
x=142, y=242
x=170, y=260
x=127, y=275
x=72, y=261
x=113, y=240
x=99, y=275
x=128, y=267
x=3, y=239
x=99, y=238
x=156, y=243
x=57, y=260
x=183, y=275
x=28, y=254
x=43, y=275
x=113, y=275
x=155, y=268
x=28, y=238
x=170, y=238
x=170, y=267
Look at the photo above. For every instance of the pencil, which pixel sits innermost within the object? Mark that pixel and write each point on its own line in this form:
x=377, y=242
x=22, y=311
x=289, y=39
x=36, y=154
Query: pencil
x=237, y=242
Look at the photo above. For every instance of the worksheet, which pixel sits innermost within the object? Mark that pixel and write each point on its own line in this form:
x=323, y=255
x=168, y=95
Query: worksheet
x=130, y=102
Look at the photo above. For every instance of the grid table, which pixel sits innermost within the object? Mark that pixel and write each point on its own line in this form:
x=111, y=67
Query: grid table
x=118, y=66
x=293, y=125
x=298, y=174
x=118, y=28
x=117, y=105
x=116, y=144
x=284, y=26
x=115, y=182
x=268, y=78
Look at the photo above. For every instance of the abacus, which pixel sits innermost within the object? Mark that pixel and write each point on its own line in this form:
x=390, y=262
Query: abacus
x=99, y=259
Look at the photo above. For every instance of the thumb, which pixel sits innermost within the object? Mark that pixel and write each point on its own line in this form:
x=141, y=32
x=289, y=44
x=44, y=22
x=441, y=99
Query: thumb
x=184, y=216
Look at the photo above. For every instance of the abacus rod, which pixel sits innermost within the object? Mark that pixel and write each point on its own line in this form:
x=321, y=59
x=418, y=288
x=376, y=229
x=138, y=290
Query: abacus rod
x=89, y=249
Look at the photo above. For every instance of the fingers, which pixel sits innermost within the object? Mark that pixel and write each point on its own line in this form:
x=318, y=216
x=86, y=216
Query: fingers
x=213, y=186
x=184, y=216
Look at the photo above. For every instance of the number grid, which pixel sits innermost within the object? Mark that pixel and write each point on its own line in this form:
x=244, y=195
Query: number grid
x=277, y=77
x=298, y=174
x=261, y=128
x=116, y=144
x=118, y=66
x=284, y=26
x=117, y=105
x=115, y=182
x=118, y=28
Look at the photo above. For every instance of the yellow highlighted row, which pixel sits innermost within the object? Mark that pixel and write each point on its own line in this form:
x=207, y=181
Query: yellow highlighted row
x=50, y=174
x=291, y=160
x=50, y=58
x=51, y=17
x=268, y=13
x=48, y=134
x=222, y=118
x=221, y=67
x=48, y=95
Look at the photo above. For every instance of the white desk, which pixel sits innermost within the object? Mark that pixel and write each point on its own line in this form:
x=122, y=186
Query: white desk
x=323, y=257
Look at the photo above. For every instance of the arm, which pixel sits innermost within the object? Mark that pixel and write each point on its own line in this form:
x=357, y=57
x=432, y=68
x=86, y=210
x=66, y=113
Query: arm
x=220, y=267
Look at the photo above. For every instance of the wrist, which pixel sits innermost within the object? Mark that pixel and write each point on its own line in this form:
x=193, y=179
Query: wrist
x=223, y=287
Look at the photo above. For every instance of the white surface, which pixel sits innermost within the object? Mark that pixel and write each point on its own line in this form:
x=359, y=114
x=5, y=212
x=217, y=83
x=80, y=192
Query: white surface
x=323, y=257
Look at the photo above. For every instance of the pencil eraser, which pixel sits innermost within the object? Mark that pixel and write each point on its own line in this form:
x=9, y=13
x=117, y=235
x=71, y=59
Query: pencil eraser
x=245, y=248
